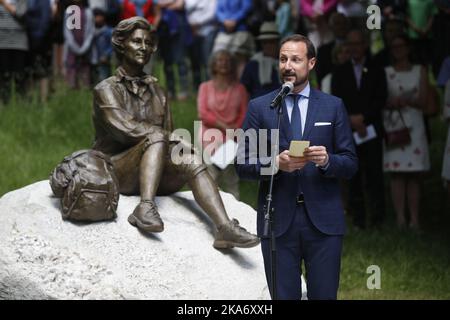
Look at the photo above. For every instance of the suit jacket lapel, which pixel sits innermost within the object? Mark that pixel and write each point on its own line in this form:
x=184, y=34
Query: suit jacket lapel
x=286, y=124
x=364, y=72
x=313, y=107
x=351, y=76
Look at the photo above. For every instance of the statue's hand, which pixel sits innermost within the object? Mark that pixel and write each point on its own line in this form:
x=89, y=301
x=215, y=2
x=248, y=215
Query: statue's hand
x=158, y=133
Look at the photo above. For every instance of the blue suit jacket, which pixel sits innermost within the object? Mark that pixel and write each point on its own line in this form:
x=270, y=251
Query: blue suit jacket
x=320, y=187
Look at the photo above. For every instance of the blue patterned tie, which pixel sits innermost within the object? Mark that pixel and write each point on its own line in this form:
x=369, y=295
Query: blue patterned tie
x=296, y=122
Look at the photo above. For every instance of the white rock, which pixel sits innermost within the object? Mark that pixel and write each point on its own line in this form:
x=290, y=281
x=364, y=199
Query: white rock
x=44, y=257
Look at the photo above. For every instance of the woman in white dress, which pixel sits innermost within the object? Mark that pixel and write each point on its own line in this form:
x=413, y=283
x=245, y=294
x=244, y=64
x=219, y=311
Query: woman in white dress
x=407, y=85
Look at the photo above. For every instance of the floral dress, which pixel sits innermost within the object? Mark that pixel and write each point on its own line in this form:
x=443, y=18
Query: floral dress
x=415, y=156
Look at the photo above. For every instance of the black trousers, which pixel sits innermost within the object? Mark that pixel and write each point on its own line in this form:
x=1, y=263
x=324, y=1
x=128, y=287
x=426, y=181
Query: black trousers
x=368, y=184
x=12, y=69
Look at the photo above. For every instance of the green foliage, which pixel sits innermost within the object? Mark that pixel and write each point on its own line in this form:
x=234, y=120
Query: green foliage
x=34, y=138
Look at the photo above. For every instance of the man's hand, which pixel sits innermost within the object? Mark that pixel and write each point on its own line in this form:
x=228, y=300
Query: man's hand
x=357, y=123
x=398, y=102
x=195, y=29
x=288, y=163
x=8, y=7
x=317, y=154
x=356, y=120
x=404, y=102
x=362, y=130
x=393, y=103
x=229, y=25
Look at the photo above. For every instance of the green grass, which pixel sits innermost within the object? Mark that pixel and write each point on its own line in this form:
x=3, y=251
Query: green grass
x=412, y=266
x=34, y=138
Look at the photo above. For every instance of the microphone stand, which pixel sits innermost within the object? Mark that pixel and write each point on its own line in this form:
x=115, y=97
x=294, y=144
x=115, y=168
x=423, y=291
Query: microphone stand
x=270, y=214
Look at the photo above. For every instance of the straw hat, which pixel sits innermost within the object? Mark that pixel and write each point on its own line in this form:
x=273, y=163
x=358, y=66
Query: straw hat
x=268, y=31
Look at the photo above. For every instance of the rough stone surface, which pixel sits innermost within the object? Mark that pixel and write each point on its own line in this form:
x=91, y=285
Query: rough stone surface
x=44, y=257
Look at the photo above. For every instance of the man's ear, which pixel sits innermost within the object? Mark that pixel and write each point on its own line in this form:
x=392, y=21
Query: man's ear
x=311, y=63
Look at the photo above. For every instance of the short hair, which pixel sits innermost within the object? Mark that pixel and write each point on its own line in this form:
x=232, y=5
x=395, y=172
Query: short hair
x=404, y=37
x=233, y=63
x=125, y=28
x=99, y=12
x=310, y=49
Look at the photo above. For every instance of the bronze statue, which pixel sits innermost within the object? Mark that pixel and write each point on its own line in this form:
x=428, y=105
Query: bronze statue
x=133, y=123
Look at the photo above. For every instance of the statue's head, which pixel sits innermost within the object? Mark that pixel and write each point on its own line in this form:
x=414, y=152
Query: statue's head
x=134, y=40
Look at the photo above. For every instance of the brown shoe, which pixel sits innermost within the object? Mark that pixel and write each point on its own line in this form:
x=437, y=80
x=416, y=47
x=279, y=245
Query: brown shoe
x=146, y=217
x=232, y=235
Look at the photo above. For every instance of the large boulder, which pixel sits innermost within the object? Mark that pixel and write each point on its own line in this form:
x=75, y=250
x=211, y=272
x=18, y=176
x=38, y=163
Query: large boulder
x=44, y=257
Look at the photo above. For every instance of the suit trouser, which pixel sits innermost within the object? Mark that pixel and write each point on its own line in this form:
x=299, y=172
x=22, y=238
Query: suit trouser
x=320, y=252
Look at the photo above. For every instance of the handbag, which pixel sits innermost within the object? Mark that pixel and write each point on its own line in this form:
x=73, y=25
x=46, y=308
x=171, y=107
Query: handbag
x=399, y=137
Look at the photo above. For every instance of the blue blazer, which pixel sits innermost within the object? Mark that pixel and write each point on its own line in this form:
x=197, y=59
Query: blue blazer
x=320, y=187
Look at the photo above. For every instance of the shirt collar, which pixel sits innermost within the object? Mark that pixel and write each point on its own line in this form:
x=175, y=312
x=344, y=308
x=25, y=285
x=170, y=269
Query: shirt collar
x=136, y=85
x=122, y=74
x=358, y=64
x=306, y=91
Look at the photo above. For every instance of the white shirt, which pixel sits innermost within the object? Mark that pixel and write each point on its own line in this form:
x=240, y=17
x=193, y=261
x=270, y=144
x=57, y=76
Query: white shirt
x=352, y=9
x=200, y=11
x=302, y=104
x=101, y=4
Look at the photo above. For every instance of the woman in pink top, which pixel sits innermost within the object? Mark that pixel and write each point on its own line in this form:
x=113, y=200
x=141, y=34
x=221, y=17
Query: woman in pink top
x=222, y=104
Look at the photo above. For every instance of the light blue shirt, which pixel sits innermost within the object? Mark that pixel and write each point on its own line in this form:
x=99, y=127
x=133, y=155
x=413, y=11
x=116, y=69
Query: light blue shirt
x=302, y=104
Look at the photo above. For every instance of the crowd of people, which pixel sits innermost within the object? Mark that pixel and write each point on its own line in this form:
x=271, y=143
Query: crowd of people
x=227, y=51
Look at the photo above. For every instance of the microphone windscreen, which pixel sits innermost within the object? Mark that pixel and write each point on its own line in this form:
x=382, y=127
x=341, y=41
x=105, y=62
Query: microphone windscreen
x=289, y=85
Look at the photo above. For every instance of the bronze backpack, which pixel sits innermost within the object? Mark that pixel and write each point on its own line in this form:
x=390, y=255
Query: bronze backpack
x=88, y=188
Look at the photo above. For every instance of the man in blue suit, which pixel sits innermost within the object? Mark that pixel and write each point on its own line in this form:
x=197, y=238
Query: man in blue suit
x=309, y=218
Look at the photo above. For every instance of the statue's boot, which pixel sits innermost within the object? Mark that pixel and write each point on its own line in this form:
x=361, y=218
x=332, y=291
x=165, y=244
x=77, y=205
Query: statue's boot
x=146, y=217
x=231, y=235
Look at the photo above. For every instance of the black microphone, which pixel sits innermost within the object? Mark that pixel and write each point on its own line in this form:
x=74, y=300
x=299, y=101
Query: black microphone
x=285, y=90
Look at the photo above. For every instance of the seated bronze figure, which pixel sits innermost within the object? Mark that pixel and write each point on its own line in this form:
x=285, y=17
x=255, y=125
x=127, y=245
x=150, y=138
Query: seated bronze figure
x=133, y=124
